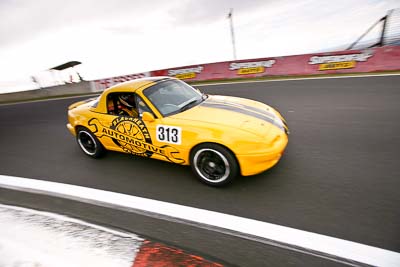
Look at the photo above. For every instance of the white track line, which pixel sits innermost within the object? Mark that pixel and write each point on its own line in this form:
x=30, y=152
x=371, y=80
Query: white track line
x=300, y=79
x=350, y=253
x=51, y=99
x=221, y=83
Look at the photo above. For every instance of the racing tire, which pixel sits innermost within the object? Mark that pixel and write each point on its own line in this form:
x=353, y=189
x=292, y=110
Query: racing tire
x=214, y=164
x=89, y=143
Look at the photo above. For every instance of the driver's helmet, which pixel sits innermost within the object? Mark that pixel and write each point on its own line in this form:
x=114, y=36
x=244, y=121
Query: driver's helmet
x=127, y=100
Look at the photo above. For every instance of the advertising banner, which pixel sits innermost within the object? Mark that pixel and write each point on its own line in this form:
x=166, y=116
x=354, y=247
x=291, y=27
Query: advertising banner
x=220, y=70
x=102, y=84
x=350, y=61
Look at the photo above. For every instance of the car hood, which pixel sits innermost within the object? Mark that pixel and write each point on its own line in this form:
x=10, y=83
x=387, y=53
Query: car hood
x=248, y=115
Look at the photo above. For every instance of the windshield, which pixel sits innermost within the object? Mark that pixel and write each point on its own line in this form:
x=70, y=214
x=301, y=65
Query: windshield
x=173, y=96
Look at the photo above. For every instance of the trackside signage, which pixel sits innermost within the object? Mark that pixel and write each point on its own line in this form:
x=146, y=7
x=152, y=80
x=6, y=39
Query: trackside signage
x=186, y=73
x=369, y=60
x=102, y=84
x=251, y=67
x=336, y=62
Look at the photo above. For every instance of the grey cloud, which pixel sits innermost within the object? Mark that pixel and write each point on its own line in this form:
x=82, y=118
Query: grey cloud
x=23, y=20
x=207, y=11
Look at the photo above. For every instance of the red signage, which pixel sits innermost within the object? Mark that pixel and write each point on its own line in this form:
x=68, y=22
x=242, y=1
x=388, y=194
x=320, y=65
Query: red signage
x=350, y=61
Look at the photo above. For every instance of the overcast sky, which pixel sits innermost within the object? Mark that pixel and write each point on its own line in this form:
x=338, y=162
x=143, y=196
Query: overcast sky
x=128, y=36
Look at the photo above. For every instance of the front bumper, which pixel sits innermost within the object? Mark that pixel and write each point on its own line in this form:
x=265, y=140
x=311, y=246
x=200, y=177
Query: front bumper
x=71, y=129
x=251, y=164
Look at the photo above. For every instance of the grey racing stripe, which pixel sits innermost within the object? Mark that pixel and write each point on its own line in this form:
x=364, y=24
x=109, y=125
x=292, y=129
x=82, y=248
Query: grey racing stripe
x=250, y=108
x=241, y=111
x=253, y=111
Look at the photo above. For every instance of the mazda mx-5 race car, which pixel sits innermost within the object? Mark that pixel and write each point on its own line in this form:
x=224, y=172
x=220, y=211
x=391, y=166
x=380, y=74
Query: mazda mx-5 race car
x=164, y=118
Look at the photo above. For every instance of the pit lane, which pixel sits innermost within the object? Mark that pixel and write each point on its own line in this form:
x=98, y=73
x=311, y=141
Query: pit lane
x=338, y=177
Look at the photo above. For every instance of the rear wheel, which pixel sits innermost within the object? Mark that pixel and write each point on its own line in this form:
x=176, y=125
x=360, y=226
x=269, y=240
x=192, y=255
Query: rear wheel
x=213, y=164
x=89, y=143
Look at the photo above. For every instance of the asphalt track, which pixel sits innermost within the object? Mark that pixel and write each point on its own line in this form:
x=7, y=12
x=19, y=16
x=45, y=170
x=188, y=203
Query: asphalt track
x=339, y=176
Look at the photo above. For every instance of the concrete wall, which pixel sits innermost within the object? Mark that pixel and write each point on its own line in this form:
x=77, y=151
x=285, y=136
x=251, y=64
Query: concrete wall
x=61, y=90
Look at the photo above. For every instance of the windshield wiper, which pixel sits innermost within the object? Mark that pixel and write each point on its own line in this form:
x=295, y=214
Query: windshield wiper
x=187, y=106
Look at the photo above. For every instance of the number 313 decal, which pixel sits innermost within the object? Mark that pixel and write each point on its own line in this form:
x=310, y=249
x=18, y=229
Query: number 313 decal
x=169, y=134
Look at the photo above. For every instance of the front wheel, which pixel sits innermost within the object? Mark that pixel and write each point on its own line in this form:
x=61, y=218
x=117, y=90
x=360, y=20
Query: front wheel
x=89, y=143
x=213, y=164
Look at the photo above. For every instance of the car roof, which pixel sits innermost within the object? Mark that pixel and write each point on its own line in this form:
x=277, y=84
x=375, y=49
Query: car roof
x=129, y=86
x=133, y=85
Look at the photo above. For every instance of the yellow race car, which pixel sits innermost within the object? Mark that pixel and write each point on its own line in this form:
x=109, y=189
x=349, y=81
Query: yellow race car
x=164, y=118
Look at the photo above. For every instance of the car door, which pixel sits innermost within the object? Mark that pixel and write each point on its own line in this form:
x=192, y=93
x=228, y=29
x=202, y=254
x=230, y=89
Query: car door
x=162, y=140
x=122, y=132
x=119, y=131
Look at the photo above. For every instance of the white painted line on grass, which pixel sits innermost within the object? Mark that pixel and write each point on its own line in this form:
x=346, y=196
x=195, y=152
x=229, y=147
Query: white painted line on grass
x=347, y=252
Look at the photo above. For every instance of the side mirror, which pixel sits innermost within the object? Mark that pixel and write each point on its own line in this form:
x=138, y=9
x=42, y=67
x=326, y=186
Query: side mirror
x=147, y=116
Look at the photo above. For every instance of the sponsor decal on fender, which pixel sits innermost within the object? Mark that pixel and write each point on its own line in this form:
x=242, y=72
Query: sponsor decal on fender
x=188, y=73
x=132, y=135
x=251, y=67
x=336, y=62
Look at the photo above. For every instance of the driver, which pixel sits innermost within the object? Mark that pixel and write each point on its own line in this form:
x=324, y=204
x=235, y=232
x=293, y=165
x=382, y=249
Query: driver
x=127, y=105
